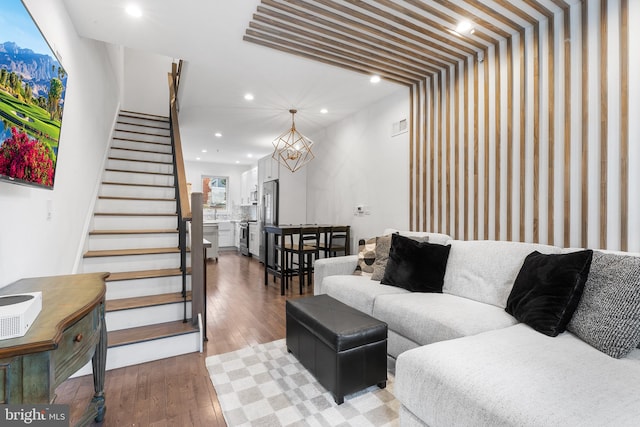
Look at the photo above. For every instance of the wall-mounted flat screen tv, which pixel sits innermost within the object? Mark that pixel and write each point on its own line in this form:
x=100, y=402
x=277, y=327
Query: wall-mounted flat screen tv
x=32, y=92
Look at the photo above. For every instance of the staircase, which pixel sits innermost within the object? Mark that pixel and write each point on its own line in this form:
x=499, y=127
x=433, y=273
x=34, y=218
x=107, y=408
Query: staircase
x=134, y=236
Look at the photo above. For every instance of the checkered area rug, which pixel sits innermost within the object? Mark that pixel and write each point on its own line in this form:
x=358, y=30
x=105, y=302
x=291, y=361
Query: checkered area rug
x=264, y=385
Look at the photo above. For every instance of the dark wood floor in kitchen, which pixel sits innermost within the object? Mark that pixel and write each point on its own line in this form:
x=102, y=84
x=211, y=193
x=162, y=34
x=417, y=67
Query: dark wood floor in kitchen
x=177, y=391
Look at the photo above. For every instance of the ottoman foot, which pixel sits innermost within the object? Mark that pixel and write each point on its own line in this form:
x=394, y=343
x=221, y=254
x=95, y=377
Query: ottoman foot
x=382, y=384
x=339, y=400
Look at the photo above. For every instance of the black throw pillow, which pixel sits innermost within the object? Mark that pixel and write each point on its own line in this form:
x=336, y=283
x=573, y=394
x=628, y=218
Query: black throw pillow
x=548, y=288
x=416, y=266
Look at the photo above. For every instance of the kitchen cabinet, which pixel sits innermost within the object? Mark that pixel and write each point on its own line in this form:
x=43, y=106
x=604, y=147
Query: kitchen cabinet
x=268, y=169
x=254, y=239
x=236, y=236
x=249, y=187
x=226, y=234
x=210, y=233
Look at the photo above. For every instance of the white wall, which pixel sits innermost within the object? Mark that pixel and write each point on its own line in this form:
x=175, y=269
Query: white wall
x=195, y=170
x=146, y=87
x=357, y=161
x=31, y=245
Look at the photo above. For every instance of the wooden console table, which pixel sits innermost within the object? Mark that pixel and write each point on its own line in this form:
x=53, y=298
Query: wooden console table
x=69, y=331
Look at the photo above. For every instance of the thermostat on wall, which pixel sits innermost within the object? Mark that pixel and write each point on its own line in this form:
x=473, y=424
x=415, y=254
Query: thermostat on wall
x=18, y=312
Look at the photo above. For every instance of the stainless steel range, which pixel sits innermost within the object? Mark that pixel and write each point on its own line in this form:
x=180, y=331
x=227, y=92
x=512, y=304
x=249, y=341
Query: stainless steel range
x=244, y=238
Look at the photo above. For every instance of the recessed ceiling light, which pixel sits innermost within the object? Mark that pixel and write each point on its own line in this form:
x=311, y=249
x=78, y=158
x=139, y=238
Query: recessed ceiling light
x=375, y=79
x=324, y=111
x=248, y=97
x=218, y=135
x=249, y=155
x=237, y=161
x=133, y=10
x=197, y=158
x=204, y=151
x=464, y=27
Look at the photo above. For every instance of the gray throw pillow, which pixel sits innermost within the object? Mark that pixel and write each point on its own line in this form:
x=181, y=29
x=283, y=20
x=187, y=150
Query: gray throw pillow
x=608, y=315
x=366, y=257
x=383, y=244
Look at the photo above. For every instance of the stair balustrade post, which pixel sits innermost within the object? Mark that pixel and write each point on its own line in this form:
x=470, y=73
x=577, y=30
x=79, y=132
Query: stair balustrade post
x=198, y=273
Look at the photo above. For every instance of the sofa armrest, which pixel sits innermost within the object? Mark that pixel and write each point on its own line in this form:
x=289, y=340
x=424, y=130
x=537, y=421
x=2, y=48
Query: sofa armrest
x=332, y=267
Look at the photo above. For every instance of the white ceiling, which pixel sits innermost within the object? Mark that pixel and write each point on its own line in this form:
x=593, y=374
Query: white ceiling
x=220, y=68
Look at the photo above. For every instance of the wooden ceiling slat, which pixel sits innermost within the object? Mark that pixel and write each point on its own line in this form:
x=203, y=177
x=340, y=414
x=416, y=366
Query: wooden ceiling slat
x=561, y=4
x=367, y=32
x=444, y=40
x=476, y=19
x=391, y=30
x=540, y=8
x=492, y=13
x=347, y=52
x=431, y=23
x=329, y=59
x=316, y=32
x=508, y=5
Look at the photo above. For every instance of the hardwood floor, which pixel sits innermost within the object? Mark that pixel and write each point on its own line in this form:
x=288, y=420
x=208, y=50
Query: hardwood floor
x=177, y=391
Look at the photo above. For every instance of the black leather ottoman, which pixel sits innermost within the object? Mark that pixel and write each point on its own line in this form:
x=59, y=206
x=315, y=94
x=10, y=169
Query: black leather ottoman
x=345, y=349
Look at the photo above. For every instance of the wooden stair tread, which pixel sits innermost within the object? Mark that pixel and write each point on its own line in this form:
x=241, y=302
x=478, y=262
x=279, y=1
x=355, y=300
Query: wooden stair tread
x=126, y=252
x=137, y=184
x=145, y=301
x=142, y=125
x=138, y=114
x=144, y=142
x=133, y=231
x=124, y=159
x=146, y=199
x=148, y=333
x=154, y=214
x=143, y=133
x=140, y=172
x=137, y=150
x=145, y=274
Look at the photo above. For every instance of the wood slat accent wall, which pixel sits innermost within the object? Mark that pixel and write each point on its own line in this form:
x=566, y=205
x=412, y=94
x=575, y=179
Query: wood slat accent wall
x=530, y=140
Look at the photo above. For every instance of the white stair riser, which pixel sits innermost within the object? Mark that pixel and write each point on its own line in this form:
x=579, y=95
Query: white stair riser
x=136, y=145
x=127, y=355
x=108, y=222
x=113, y=190
x=141, y=287
x=143, y=119
x=99, y=242
x=151, y=128
x=136, y=166
x=163, y=139
x=138, y=178
x=140, y=155
x=136, y=206
x=132, y=263
x=132, y=318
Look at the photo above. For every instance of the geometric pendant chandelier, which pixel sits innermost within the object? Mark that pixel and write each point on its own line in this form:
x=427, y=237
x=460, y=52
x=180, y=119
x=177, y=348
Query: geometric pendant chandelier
x=292, y=149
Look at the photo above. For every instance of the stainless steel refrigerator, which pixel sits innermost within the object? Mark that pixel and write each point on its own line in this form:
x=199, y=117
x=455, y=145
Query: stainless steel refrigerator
x=268, y=216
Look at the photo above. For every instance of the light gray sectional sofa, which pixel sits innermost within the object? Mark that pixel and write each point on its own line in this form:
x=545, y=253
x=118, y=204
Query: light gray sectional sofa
x=461, y=360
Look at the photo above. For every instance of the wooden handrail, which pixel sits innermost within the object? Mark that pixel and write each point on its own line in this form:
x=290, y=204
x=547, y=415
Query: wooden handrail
x=185, y=208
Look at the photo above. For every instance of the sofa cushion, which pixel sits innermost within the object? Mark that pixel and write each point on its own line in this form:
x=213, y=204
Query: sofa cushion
x=426, y=318
x=548, y=288
x=439, y=238
x=484, y=270
x=608, y=315
x=415, y=266
x=518, y=377
x=357, y=291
